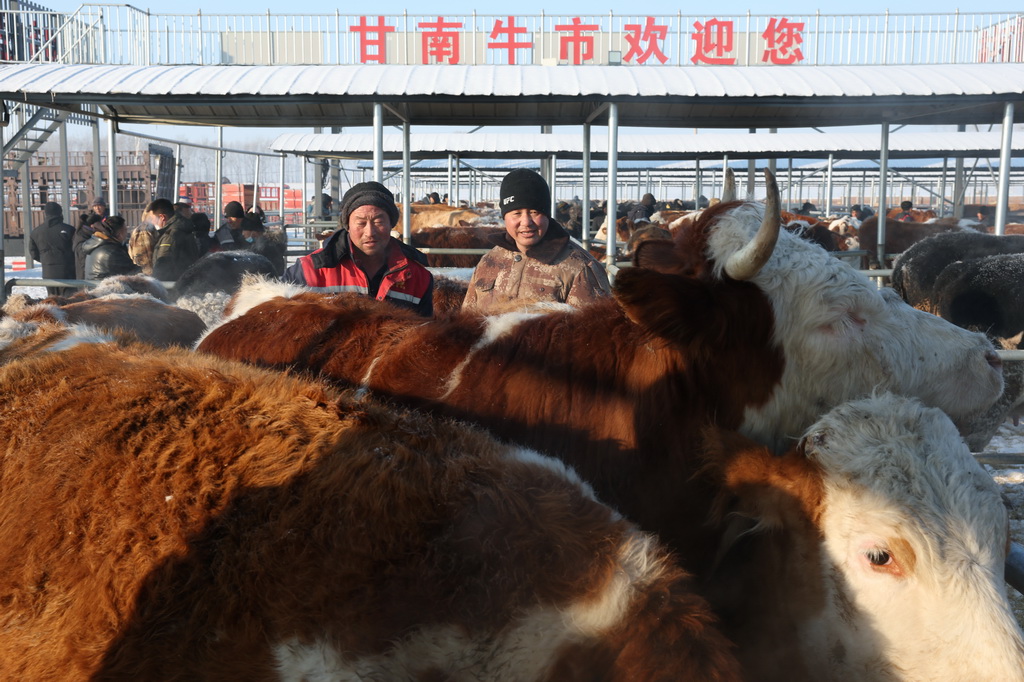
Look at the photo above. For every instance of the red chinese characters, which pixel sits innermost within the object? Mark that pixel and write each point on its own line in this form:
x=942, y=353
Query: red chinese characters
x=650, y=33
x=582, y=45
x=714, y=42
x=372, y=45
x=511, y=31
x=439, y=41
x=782, y=39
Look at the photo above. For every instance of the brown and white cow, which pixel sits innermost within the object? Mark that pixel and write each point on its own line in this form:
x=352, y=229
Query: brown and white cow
x=169, y=515
x=878, y=553
x=150, y=320
x=719, y=327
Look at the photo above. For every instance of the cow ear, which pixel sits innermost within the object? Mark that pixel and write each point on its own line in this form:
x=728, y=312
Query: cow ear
x=773, y=490
x=657, y=255
x=678, y=309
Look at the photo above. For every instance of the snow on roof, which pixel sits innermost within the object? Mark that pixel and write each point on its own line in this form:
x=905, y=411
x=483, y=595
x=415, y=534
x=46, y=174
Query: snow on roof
x=697, y=96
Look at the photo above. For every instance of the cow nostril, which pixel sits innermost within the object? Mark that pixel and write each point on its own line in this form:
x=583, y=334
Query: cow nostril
x=993, y=359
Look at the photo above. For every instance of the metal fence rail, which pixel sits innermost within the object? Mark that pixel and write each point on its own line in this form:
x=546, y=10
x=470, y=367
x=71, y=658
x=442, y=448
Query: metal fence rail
x=121, y=34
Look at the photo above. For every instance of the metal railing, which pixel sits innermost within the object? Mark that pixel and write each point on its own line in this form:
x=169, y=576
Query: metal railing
x=122, y=34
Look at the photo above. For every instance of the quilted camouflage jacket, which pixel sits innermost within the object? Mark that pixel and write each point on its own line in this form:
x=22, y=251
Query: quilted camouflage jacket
x=556, y=270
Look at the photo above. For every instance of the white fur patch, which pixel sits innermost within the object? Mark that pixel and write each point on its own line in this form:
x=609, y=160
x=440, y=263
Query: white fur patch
x=495, y=327
x=80, y=334
x=255, y=289
x=523, y=651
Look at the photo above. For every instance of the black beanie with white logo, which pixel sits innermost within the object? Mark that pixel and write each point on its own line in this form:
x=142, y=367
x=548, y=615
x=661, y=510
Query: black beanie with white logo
x=524, y=188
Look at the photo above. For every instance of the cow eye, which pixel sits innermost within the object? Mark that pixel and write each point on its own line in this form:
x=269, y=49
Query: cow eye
x=879, y=557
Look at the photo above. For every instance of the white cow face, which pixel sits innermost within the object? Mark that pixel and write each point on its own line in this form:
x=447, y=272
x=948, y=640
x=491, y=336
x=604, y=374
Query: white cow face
x=915, y=538
x=843, y=338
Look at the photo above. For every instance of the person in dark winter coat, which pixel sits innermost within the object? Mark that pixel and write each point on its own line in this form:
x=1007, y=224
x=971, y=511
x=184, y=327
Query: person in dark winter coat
x=106, y=253
x=644, y=210
x=229, y=235
x=362, y=257
x=50, y=243
x=176, y=246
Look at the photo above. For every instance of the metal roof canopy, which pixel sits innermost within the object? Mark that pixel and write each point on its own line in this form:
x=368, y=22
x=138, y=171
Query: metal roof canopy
x=648, y=147
x=704, y=97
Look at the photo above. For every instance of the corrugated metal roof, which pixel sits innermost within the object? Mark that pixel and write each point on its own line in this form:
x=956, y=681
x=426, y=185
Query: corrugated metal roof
x=705, y=96
x=633, y=146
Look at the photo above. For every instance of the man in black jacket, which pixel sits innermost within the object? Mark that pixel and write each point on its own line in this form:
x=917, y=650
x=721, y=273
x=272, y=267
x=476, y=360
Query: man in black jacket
x=176, y=247
x=50, y=244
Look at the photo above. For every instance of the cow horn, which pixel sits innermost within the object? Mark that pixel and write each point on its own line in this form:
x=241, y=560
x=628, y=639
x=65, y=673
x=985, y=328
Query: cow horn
x=729, y=186
x=749, y=260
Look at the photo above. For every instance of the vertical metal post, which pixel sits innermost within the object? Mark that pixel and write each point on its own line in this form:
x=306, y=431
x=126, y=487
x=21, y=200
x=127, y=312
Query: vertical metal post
x=789, y=183
x=613, y=162
x=828, y=186
x=451, y=190
x=697, y=188
x=585, y=208
x=942, y=186
x=307, y=232
x=406, y=184
x=97, y=175
x=177, y=171
x=751, y=170
x=218, y=172
x=378, y=142
x=65, y=176
x=280, y=192
x=554, y=183
x=256, y=184
x=883, y=182
x=318, y=185
x=3, y=229
x=1003, y=193
x=112, y=168
x=453, y=199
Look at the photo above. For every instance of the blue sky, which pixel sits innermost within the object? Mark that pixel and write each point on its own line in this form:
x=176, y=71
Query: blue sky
x=533, y=7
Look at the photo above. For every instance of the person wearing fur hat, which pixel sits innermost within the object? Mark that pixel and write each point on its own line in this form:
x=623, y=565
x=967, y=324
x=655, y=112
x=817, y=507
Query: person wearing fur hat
x=534, y=260
x=362, y=257
x=50, y=244
x=106, y=253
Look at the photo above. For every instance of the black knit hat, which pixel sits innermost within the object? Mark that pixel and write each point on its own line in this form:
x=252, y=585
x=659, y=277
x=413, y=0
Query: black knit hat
x=368, y=194
x=523, y=188
x=234, y=210
x=51, y=209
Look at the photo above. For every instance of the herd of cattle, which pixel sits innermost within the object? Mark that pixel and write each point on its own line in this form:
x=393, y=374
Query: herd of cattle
x=750, y=463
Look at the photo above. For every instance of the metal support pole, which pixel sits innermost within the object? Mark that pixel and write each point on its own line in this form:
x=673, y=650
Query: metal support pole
x=451, y=190
x=318, y=186
x=406, y=184
x=828, y=186
x=65, y=176
x=585, y=208
x=883, y=182
x=378, y=142
x=697, y=188
x=256, y=185
x=112, y=168
x=280, y=193
x=97, y=173
x=942, y=186
x=177, y=171
x=1003, y=193
x=453, y=199
x=554, y=183
x=218, y=188
x=613, y=162
x=789, y=183
x=751, y=172
x=3, y=229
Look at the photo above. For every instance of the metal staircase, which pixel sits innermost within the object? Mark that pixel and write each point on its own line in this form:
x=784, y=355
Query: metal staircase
x=26, y=141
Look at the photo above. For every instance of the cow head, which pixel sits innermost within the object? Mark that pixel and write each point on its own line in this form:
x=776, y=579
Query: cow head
x=840, y=336
x=880, y=551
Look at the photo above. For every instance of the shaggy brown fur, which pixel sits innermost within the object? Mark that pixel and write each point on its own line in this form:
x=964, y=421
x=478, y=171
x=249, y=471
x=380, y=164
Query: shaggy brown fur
x=448, y=295
x=618, y=389
x=168, y=515
x=140, y=248
x=152, y=321
x=899, y=236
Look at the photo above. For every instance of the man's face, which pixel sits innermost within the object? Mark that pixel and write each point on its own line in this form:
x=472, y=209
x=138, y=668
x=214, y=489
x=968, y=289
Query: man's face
x=369, y=230
x=526, y=226
x=99, y=209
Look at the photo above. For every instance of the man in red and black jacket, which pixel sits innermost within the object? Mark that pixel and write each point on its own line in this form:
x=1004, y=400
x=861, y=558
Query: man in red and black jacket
x=362, y=257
